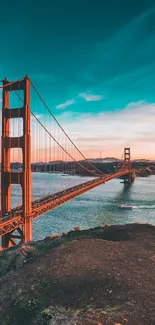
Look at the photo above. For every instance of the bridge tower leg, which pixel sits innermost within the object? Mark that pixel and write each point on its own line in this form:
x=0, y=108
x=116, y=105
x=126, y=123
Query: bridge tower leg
x=129, y=178
x=7, y=176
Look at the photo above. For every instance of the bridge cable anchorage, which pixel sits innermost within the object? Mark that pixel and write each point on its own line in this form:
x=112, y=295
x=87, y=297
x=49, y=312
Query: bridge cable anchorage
x=63, y=128
x=91, y=172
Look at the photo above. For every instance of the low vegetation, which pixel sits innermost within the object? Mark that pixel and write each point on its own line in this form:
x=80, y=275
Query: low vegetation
x=101, y=276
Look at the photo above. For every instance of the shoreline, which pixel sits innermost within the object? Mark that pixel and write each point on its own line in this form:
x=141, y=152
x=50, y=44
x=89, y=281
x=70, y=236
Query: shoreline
x=139, y=173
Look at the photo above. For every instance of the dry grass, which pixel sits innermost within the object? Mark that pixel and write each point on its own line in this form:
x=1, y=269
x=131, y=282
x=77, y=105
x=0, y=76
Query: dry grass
x=99, y=276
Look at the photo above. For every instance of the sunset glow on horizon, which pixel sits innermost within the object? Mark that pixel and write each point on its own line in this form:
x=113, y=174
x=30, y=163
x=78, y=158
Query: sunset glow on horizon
x=104, y=134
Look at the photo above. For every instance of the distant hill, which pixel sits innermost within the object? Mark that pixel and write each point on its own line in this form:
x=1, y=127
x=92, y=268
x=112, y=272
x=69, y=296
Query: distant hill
x=102, y=160
x=142, y=160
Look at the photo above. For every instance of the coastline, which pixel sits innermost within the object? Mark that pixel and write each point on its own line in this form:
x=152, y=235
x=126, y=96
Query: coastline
x=139, y=173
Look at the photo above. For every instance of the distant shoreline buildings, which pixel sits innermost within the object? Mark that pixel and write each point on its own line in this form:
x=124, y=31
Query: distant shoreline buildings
x=107, y=165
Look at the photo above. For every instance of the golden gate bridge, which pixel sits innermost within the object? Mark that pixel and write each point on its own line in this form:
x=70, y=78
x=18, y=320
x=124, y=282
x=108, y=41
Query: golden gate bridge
x=26, y=138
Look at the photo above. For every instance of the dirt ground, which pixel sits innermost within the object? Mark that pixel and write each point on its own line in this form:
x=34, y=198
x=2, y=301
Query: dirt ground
x=102, y=276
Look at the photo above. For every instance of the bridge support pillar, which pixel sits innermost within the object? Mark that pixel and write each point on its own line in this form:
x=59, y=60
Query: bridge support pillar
x=7, y=176
x=128, y=178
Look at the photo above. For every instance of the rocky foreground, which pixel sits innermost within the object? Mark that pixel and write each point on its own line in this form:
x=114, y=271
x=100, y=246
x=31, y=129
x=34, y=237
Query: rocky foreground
x=102, y=276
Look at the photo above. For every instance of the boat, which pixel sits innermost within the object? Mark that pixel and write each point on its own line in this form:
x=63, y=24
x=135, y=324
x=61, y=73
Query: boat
x=125, y=207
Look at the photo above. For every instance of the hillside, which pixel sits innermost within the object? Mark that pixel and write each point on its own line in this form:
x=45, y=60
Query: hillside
x=102, y=276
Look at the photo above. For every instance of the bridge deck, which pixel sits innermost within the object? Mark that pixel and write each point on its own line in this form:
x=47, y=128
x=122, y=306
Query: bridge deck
x=50, y=202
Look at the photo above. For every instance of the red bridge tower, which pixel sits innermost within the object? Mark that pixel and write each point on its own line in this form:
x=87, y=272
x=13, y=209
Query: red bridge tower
x=9, y=177
x=129, y=178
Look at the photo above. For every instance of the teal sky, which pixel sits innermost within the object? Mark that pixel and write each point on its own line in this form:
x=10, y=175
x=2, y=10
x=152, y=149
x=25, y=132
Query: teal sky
x=84, y=56
x=70, y=47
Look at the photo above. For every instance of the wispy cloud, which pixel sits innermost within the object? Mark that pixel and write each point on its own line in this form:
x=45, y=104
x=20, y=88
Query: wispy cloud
x=112, y=131
x=91, y=98
x=87, y=97
x=108, y=132
x=65, y=104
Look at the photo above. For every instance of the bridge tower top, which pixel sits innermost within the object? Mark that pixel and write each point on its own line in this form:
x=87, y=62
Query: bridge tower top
x=127, y=158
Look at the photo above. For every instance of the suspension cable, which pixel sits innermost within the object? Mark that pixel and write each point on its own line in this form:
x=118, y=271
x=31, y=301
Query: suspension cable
x=58, y=142
x=100, y=173
x=61, y=145
x=63, y=128
x=18, y=80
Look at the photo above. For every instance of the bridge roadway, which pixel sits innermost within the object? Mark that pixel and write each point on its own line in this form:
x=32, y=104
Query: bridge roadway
x=45, y=204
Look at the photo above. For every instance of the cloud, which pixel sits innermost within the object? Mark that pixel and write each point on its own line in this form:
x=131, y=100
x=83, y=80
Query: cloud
x=86, y=96
x=110, y=132
x=107, y=132
x=90, y=98
x=111, y=138
x=65, y=104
